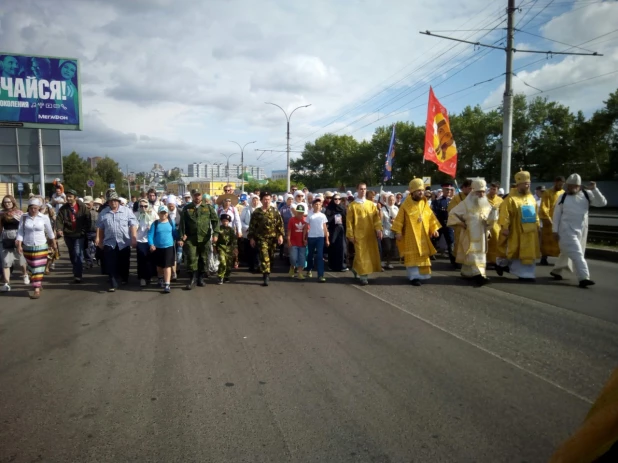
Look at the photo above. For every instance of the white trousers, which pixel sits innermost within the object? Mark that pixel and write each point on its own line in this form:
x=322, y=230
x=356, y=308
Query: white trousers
x=572, y=255
x=414, y=274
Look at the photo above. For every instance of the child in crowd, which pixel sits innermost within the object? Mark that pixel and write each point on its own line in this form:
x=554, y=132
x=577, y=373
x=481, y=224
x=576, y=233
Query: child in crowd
x=227, y=248
x=316, y=234
x=161, y=238
x=297, y=243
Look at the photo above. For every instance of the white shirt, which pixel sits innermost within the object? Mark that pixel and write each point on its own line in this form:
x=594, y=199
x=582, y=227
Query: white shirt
x=34, y=231
x=316, y=223
x=572, y=215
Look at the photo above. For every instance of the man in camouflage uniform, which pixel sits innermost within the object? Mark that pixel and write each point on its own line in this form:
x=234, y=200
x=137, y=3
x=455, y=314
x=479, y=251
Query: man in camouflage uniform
x=227, y=247
x=265, y=233
x=199, y=224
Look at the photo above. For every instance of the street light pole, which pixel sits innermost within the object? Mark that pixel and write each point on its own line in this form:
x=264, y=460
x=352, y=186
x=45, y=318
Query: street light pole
x=242, y=162
x=287, y=118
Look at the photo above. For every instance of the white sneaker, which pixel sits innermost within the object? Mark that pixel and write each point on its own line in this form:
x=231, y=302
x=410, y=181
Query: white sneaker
x=26, y=280
x=5, y=288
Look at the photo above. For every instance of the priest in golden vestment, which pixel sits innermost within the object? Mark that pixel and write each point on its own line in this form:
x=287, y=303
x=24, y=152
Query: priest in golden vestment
x=414, y=227
x=364, y=229
x=466, y=186
x=549, y=244
x=475, y=215
x=494, y=234
x=519, y=222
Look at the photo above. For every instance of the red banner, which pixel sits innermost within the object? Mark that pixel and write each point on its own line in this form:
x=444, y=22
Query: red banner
x=439, y=143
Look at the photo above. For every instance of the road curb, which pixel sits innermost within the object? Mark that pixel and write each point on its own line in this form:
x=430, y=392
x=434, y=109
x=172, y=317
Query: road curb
x=602, y=254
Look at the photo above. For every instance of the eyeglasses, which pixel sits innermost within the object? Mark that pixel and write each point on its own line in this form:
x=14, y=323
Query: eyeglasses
x=336, y=199
x=143, y=207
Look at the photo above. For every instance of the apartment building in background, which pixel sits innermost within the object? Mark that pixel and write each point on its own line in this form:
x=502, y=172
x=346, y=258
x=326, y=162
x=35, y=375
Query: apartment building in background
x=219, y=171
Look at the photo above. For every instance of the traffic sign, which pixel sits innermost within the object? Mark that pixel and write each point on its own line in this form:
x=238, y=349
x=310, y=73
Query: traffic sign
x=90, y=183
x=427, y=181
x=20, y=187
x=112, y=186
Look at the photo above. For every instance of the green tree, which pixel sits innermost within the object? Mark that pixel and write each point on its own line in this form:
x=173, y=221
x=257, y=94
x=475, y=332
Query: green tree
x=77, y=172
x=109, y=172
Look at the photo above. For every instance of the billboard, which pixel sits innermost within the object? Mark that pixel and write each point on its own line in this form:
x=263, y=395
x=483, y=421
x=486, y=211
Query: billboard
x=39, y=92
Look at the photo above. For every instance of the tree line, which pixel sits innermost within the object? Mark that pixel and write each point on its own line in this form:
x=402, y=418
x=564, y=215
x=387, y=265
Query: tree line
x=548, y=140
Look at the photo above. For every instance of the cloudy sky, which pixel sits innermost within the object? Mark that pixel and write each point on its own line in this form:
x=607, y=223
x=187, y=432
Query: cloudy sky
x=173, y=81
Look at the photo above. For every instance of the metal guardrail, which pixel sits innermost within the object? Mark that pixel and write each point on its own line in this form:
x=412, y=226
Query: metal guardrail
x=603, y=234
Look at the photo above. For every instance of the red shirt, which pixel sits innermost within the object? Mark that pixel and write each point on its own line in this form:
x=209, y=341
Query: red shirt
x=295, y=231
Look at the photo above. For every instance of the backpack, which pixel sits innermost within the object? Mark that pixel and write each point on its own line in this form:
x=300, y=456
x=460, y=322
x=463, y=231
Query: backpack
x=563, y=197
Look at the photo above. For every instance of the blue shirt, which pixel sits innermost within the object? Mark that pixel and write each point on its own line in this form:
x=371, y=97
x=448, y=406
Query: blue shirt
x=115, y=226
x=162, y=234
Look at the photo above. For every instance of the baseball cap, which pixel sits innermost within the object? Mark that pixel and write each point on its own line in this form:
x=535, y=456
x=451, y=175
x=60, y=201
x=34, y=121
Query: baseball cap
x=300, y=208
x=195, y=191
x=163, y=209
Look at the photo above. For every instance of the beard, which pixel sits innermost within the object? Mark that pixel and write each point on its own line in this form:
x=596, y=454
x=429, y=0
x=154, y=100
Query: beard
x=476, y=202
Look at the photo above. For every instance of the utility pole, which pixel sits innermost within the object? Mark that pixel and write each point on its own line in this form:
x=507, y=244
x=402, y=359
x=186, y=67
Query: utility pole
x=242, y=162
x=288, y=137
x=507, y=110
x=507, y=105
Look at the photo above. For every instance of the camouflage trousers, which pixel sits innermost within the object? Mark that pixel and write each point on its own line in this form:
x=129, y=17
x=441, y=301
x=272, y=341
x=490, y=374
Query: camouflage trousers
x=226, y=262
x=196, y=255
x=266, y=252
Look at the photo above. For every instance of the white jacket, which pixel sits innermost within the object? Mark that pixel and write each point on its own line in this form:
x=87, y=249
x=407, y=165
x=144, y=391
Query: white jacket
x=571, y=217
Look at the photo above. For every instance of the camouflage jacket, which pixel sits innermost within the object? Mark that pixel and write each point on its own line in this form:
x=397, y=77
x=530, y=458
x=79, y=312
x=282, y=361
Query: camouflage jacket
x=196, y=222
x=227, y=240
x=265, y=225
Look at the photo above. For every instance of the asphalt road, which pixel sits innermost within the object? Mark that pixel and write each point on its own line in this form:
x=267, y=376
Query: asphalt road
x=302, y=371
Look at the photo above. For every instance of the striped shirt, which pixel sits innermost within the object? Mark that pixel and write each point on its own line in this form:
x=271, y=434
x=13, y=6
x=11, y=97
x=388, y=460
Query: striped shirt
x=115, y=226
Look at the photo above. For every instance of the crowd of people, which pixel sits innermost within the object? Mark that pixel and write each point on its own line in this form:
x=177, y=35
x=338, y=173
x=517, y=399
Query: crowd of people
x=479, y=227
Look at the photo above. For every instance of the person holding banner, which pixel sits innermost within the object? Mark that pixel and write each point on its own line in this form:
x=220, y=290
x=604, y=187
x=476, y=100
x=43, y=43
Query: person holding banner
x=414, y=227
x=519, y=223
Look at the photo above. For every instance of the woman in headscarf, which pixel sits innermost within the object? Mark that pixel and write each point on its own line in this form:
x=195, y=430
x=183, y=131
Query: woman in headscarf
x=145, y=265
x=10, y=215
x=34, y=235
x=389, y=245
x=52, y=252
x=336, y=216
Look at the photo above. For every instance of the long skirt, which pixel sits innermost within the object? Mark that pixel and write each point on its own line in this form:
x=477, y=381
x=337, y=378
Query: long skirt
x=337, y=250
x=36, y=259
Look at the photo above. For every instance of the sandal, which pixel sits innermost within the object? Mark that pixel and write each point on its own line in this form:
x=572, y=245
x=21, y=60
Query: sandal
x=36, y=294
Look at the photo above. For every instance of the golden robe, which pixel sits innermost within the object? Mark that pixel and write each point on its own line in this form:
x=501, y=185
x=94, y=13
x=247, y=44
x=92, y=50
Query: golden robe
x=599, y=431
x=472, y=246
x=549, y=245
x=416, y=247
x=362, y=222
x=523, y=240
x=494, y=233
x=458, y=198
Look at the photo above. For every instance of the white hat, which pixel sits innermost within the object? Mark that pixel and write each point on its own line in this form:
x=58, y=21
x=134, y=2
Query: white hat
x=34, y=202
x=574, y=179
x=299, y=193
x=187, y=194
x=479, y=184
x=279, y=198
x=88, y=199
x=171, y=199
x=500, y=191
x=123, y=201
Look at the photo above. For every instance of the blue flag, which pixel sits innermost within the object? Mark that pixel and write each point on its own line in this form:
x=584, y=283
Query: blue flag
x=390, y=158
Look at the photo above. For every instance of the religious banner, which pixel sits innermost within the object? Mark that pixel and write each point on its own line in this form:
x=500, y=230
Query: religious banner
x=390, y=158
x=439, y=143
